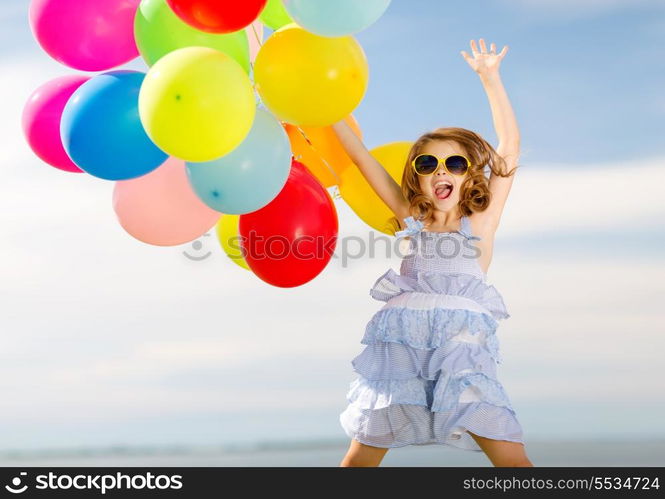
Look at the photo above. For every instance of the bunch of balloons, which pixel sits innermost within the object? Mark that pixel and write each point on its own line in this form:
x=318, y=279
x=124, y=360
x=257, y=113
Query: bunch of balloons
x=222, y=130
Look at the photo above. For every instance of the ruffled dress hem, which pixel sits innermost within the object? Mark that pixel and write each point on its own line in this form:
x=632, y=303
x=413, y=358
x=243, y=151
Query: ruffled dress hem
x=401, y=425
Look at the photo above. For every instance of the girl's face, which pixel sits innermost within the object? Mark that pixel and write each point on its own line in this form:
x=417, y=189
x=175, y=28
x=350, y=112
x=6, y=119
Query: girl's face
x=442, y=187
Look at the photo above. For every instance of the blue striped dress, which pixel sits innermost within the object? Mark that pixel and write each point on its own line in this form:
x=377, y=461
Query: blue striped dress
x=428, y=370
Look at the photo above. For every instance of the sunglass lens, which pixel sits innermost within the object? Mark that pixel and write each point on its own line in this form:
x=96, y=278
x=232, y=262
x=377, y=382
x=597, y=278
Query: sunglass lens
x=426, y=164
x=457, y=165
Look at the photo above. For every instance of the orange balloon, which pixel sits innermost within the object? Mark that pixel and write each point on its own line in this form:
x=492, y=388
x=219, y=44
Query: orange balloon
x=324, y=148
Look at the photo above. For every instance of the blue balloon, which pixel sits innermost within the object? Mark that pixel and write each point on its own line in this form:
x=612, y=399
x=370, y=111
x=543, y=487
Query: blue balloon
x=335, y=17
x=250, y=176
x=101, y=129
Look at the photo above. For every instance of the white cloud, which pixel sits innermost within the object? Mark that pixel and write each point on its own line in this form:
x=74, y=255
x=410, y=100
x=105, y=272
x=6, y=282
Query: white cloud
x=558, y=197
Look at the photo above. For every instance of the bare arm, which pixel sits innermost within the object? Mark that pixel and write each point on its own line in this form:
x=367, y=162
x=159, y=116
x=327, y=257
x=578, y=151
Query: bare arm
x=509, y=145
x=376, y=175
x=487, y=66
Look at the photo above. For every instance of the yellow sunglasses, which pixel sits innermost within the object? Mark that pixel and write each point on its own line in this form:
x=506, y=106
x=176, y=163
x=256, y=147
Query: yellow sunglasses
x=427, y=164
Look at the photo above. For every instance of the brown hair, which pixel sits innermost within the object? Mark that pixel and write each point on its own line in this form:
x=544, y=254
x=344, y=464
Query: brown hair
x=474, y=194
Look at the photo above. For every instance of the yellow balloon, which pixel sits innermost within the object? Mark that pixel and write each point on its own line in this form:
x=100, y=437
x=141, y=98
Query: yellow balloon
x=197, y=104
x=227, y=235
x=310, y=80
x=360, y=196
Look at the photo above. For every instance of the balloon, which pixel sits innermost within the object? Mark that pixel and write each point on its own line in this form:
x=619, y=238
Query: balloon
x=274, y=15
x=197, y=104
x=91, y=35
x=255, y=37
x=101, y=130
x=324, y=147
x=291, y=240
x=217, y=16
x=160, y=208
x=41, y=120
x=310, y=80
x=227, y=234
x=251, y=175
x=159, y=31
x=335, y=18
x=360, y=196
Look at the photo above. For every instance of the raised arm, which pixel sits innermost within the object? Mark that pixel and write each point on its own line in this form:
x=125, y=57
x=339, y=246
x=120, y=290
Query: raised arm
x=487, y=66
x=373, y=171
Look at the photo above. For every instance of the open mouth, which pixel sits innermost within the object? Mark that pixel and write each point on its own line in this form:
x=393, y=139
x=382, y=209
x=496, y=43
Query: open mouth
x=443, y=189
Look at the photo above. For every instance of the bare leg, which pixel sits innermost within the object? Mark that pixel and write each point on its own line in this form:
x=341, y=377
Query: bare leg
x=361, y=455
x=503, y=453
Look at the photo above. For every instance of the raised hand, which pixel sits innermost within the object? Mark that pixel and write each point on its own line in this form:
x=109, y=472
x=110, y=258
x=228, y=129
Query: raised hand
x=483, y=62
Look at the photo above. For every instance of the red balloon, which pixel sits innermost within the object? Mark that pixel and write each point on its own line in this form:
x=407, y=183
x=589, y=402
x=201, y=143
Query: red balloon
x=217, y=16
x=290, y=241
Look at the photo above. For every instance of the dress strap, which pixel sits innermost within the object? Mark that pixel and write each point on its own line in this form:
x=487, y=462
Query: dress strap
x=413, y=227
x=466, y=229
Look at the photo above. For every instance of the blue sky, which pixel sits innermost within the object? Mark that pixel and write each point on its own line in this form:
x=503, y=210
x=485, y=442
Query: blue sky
x=106, y=340
x=586, y=77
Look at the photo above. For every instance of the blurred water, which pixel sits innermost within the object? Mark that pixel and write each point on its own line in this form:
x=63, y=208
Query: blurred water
x=645, y=453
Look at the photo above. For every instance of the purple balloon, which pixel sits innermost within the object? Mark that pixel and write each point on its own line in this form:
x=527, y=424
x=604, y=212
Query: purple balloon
x=90, y=35
x=41, y=120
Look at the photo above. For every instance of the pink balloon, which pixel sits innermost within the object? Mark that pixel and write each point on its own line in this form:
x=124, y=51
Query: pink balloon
x=161, y=208
x=90, y=35
x=255, y=37
x=41, y=120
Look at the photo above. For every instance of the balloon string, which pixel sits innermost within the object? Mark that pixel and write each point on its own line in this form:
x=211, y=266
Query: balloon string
x=309, y=142
x=251, y=63
x=256, y=35
x=336, y=194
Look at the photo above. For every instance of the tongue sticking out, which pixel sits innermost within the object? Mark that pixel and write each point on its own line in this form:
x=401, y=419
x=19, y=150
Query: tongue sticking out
x=443, y=192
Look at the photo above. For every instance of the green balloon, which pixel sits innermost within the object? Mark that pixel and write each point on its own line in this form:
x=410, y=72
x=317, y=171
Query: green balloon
x=158, y=31
x=274, y=15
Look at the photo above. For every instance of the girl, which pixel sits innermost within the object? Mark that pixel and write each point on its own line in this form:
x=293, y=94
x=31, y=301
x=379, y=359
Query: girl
x=427, y=374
